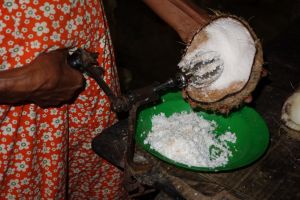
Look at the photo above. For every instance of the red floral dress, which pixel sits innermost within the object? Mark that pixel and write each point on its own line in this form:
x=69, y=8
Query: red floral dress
x=46, y=153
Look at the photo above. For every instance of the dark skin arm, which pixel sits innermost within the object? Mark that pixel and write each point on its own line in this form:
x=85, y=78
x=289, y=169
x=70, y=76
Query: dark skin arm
x=182, y=15
x=185, y=18
x=46, y=81
x=49, y=81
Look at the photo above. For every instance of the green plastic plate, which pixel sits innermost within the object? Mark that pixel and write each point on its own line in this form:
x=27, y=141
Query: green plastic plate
x=250, y=129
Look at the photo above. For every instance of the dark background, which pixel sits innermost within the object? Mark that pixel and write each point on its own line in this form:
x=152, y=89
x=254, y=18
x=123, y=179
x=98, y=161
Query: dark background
x=148, y=50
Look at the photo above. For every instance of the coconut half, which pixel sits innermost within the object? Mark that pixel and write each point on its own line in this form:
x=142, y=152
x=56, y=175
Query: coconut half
x=290, y=114
x=231, y=44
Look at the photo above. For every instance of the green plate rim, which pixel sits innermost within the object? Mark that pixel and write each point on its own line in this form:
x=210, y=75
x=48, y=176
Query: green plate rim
x=175, y=97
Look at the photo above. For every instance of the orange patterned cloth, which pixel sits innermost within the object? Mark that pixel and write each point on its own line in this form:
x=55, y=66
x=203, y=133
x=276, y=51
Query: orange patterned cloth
x=46, y=153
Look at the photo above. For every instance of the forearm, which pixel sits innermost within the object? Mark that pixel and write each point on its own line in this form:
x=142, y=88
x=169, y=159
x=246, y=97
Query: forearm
x=48, y=80
x=13, y=85
x=183, y=16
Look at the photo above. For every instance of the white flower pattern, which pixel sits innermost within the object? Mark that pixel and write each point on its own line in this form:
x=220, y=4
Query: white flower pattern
x=17, y=50
x=40, y=28
x=10, y=5
x=2, y=25
x=48, y=9
x=30, y=12
x=39, y=142
x=8, y=129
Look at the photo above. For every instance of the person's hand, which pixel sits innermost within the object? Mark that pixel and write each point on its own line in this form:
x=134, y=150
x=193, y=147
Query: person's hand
x=234, y=44
x=46, y=81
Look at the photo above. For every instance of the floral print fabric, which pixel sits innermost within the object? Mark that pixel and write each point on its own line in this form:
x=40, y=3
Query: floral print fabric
x=46, y=153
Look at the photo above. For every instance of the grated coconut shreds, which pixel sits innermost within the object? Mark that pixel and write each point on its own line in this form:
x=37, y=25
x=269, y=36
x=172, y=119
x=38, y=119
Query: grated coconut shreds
x=188, y=139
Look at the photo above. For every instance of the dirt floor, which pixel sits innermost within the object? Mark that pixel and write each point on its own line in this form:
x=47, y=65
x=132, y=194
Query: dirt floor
x=147, y=50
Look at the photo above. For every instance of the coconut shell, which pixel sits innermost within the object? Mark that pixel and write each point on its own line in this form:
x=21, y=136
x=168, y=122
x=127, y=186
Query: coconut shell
x=211, y=101
x=292, y=104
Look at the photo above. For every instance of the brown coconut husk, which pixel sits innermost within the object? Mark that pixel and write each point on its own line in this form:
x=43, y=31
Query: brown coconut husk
x=290, y=132
x=212, y=101
x=287, y=109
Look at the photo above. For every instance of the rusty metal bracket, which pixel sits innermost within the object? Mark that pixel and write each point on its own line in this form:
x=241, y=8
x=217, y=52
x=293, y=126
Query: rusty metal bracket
x=117, y=143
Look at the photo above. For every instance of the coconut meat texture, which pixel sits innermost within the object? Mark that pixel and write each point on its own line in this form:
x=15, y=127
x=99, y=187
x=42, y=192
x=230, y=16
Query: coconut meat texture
x=290, y=114
x=225, y=50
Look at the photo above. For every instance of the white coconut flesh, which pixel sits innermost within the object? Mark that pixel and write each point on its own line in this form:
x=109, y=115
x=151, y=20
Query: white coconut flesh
x=291, y=111
x=227, y=49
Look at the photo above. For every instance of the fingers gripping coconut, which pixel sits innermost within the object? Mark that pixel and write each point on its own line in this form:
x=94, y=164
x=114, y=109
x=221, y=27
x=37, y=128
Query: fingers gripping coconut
x=232, y=58
x=223, y=57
